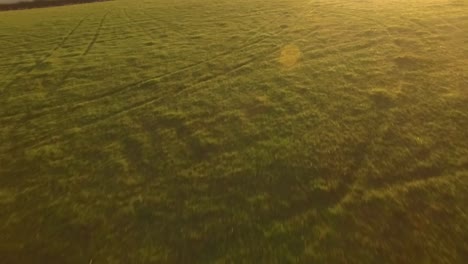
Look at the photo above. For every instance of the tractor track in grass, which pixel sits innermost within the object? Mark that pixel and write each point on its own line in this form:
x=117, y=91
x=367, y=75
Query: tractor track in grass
x=90, y=45
x=231, y=70
x=171, y=93
x=125, y=23
x=46, y=139
x=455, y=173
x=420, y=25
x=168, y=74
x=356, y=184
x=134, y=24
x=129, y=86
x=69, y=71
x=96, y=34
x=450, y=24
x=50, y=53
x=12, y=43
x=362, y=17
x=165, y=22
x=142, y=82
x=248, y=43
x=138, y=84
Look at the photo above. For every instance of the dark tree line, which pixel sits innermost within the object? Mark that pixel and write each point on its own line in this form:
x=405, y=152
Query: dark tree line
x=43, y=3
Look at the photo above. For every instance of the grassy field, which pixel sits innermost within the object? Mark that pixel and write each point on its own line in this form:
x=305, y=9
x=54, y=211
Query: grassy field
x=246, y=131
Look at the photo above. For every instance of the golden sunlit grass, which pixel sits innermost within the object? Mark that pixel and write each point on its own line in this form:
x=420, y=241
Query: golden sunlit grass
x=282, y=131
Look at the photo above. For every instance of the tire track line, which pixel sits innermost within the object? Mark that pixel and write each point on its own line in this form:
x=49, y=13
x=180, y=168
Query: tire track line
x=138, y=83
x=333, y=5
x=47, y=56
x=456, y=174
x=72, y=68
x=157, y=98
x=143, y=29
x=248, y=43
x=165, y=22
x=167, y=93
x=71, y=32
x=46, y=139
x=96, y=35
x=450, y=24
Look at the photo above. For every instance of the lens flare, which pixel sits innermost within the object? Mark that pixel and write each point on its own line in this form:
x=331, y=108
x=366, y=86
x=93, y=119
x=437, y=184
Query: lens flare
x=290, y=55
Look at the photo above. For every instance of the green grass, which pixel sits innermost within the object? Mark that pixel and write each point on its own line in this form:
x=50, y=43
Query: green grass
x=240, y=131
